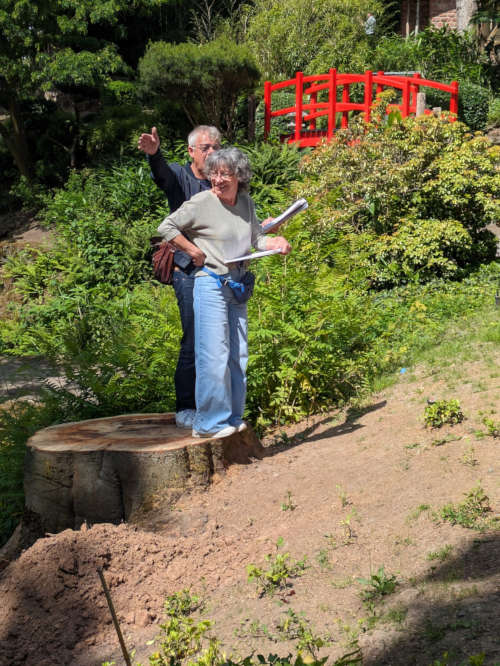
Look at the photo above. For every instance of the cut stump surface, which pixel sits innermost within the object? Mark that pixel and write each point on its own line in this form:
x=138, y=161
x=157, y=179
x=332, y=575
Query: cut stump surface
x=102, y=470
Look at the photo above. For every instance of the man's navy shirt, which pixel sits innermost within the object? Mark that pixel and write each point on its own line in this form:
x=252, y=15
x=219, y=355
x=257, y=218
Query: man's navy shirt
x=179, y=184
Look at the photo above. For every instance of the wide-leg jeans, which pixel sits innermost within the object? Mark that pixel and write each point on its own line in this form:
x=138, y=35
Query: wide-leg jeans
x=221, y=353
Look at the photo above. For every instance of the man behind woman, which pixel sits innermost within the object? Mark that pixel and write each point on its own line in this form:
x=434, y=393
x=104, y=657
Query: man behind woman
x=212, y=227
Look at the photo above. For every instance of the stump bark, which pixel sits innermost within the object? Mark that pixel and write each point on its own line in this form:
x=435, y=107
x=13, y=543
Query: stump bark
x=102, y=470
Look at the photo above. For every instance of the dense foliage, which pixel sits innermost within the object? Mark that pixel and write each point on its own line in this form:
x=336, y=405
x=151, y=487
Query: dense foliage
x=300, y=36
x=410, y=201
x=50, y=46
x=207, y=79
x=443, y=55
x=396, y=212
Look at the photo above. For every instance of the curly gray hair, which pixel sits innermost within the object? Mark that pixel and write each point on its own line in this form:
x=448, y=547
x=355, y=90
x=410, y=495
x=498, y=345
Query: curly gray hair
x=232, y=159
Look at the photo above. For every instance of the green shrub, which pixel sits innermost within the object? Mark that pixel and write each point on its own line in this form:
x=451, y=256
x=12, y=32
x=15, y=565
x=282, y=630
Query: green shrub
x=274, y=168
x=295, y=36
x=418, y=251
x=494, y=112
x=206, y=79
x=378, y=585
x=471, y=512
x=17, y=424
x=279, y=572
x=439, y=54
x=443, y=412
x=473, y=105
x=388, y=182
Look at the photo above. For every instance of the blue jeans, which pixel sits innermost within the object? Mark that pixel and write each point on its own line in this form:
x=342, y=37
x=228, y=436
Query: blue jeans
x=185, y=373
x=221, y=351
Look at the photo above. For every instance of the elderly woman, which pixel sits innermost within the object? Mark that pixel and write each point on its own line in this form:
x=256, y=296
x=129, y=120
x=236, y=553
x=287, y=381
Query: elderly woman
x=212, y=227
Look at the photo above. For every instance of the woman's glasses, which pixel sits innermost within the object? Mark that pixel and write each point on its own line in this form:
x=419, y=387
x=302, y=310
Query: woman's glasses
x=221, y=175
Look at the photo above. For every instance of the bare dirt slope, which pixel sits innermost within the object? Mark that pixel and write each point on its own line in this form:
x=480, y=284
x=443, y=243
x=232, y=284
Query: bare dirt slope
x=351, y=491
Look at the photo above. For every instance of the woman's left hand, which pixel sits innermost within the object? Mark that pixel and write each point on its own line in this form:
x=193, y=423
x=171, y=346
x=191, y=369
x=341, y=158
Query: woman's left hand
x=279, y=243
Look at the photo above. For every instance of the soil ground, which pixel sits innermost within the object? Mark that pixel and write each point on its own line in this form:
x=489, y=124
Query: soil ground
x=351, y=491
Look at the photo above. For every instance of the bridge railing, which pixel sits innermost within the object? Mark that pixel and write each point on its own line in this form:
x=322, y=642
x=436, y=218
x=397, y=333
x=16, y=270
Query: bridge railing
x=307, y=109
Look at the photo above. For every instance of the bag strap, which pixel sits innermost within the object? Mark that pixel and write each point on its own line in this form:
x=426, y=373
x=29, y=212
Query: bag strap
x=227, y=281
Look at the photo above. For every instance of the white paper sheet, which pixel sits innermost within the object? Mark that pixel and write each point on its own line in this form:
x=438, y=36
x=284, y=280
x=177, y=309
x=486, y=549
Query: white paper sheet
x=297, y=207
x=253, y=255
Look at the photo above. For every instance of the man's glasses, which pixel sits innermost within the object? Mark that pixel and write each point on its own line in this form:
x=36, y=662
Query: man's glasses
x=205, y=147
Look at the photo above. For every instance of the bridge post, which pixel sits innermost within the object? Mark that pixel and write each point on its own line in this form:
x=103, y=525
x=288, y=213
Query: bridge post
x=368, y=94
x=454, y=99
x=345, y=100
x=332, y=102
x=380, y=86
x=405, y=106
x=414, y=88
x=313, y=99
x=299, y=91
x=267, y=108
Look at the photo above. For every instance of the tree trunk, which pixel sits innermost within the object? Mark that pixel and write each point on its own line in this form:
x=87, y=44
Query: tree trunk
x=465, y=10
x=16, y=140
x=104, y=470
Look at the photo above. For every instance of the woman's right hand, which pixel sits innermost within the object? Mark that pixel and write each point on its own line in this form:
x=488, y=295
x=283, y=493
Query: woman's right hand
x=198, y=257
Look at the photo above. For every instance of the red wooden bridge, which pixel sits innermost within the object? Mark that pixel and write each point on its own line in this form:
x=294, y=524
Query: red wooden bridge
x=307, y=109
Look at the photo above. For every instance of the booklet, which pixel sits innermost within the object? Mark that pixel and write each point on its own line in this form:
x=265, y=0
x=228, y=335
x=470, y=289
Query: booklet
x=297, y=207
x=254, y=255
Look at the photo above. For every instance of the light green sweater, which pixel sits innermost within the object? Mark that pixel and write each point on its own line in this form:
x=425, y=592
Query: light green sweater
x=222, y=232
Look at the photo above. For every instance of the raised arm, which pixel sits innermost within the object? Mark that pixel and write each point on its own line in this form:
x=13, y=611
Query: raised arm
x=163, y=175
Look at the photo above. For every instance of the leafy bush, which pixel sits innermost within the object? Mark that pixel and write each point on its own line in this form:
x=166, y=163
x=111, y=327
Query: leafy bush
x=419, y=250
x=378, y=585
x=274, y=168
x=207, y=80
x=471, y=512
x=297, y=36
x=439, y=54
x=102, y=222
x=494, y=112
x=443, y=412
x=17, y=424
x=387, y=182
x=279, y=572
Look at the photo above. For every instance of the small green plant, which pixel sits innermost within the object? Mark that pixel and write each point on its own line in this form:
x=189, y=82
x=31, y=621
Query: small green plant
x=492, y=427
x=469, y=457
x=182, y=603
x=348, y=531
x=288, y=504
x=442, y=412
x=252, y=629
x=344, y=500
x=378, y=585
x=445, y=440
x=294, y=626
x=280, y=571
x=331, y=540
x=181, y=636
x=471, y=512
x=472, y=660
x=323, y=559
x=396, y=615
x=416, y=513
x=441, y=554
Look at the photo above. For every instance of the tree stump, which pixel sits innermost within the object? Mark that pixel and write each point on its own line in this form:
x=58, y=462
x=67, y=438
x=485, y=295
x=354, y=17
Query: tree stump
x=102, y=470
